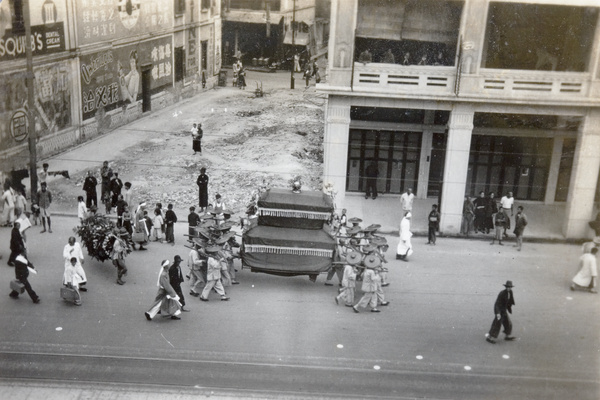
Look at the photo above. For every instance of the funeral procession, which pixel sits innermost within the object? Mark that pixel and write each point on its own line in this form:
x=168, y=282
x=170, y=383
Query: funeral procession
x=300, y=199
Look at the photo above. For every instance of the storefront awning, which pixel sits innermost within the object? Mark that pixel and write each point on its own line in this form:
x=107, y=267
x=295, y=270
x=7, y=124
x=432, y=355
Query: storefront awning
x=300, y=38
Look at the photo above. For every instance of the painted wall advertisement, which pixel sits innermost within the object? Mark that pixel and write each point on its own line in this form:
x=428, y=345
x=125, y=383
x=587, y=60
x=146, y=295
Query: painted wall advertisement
x=52, y=91
x=44, y=40
x=112, y=78
x=99, y=20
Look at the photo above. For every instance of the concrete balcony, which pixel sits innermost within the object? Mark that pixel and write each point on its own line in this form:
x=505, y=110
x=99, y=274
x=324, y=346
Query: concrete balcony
x=412, y=79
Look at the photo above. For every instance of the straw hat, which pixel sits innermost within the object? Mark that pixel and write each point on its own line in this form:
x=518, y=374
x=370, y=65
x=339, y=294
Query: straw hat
x=353, y=258
x=372, y=261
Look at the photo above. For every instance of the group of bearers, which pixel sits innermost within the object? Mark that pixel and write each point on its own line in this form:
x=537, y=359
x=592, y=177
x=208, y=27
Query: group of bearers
x=361, y=254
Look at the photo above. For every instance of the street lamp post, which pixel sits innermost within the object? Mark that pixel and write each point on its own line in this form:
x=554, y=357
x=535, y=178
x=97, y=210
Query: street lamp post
x=30, y=102
x=293, y=44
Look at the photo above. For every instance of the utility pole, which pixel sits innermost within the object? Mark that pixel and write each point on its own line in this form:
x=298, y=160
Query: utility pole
x=30, y=103
x=293, y=43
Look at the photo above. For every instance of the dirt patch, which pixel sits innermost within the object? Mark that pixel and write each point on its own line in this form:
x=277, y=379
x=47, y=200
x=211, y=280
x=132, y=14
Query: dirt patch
x=247, y=141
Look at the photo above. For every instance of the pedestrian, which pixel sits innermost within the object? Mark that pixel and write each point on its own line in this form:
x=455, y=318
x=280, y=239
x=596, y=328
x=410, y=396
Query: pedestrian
x=127, y=223
x=128, y=195
x=219, y=205
x=176, y=279
x=89, y=187
x=372, y=173
x=520, y=224
x=235, y=73
x=491, y=208
x=8, y=213
x=480, y=204
x=349, y=279
x=106, y=174
x=468, y=215
x=121, y=207
x=166, y=300
x=44, y=200
x=369, y=287
x=227, y=256
x=242, y=78
x=20, y=202
x=193, y=220
x=202, y=183
x=22, y=268
x=433, y=224
x=196, y=260
x=297, y=63
x=43, y=174
x=116, y=186
x=197, y=138
x=588, y=272
x=24, y=225
x=306, y=77
x=406, y=201
x=157, y=222
x=507, y=202
x=500, y=222
x=502, y=307
x=17, y=244
x=118, y=256
x=404, y=249
x=142, y=231
x=213, y=275
x=170, y=219
x=365, y=57
x=81, y=209
x=71, y=279
x=73, y=250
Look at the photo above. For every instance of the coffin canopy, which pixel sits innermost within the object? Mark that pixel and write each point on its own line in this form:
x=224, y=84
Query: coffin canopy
x=287, y=251
x=283, y=208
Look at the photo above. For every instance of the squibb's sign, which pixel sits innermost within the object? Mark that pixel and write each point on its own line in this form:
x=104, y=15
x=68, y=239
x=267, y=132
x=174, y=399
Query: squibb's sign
x=44, y=40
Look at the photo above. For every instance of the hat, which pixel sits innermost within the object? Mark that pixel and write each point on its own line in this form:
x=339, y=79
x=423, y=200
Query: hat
x=353, y=230
x=355, y=220
x=372, y=261
x=192, y=208
x=374, y=226
x=378, y=241
x=222, y=240
x=508, y=284
x=177, y=258
x=353, y=257
x=228, y=212
x=199, y=242
x=369, y=248
x=212, y=249
x=164, y=263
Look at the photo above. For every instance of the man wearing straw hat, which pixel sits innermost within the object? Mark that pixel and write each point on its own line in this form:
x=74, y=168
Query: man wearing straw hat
x=213, y=275
x=353, y=258
x=371, y=281
x=502, y=308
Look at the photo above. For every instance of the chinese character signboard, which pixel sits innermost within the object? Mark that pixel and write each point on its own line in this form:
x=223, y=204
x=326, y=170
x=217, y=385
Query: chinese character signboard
x=99, y=20
x=44, y=40
x=111, y=78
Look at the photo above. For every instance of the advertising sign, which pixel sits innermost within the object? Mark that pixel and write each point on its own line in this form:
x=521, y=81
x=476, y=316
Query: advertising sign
x=99, y=20
x=112, y=78
x=44, y=40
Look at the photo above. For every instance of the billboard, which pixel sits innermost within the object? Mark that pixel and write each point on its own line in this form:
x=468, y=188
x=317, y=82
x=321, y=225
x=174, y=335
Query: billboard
x=44, y=40
x=112, y=78
x=100, y=20
x=52, y=103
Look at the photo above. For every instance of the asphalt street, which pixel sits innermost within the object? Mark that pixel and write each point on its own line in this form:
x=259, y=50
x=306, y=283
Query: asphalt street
x=286, y=336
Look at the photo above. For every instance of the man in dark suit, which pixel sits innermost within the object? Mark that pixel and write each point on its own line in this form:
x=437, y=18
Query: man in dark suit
x=17, y=244
x=89, y=187
x=22, y=266
x=502, y=308
x=176, y=279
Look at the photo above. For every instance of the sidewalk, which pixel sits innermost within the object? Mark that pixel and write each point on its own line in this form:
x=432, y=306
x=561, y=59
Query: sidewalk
x=544, y=220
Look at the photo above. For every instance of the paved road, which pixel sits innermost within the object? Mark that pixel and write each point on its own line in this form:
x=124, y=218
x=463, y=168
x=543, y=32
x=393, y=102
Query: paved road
x=287, y=335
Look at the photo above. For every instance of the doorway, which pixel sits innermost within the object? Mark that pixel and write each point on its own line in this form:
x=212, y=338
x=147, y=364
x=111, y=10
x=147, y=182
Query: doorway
x=146, y=88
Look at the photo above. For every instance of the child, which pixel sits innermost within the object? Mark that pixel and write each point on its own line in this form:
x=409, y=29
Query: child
x=193, y=220
x=348, y=286
x=81, y=209
x=107, y=202
x=157, y=223
x=35, y=213
x=500, y=223
x=170, y=219
x=127, y=221
x=434, y=223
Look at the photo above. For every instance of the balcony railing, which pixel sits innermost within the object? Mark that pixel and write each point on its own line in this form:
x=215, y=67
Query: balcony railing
x=489, y=83
x=413, y=78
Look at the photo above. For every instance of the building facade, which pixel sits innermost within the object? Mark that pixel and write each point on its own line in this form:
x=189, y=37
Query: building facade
x=451, y=98
x=260, y=31
x=98, y=65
